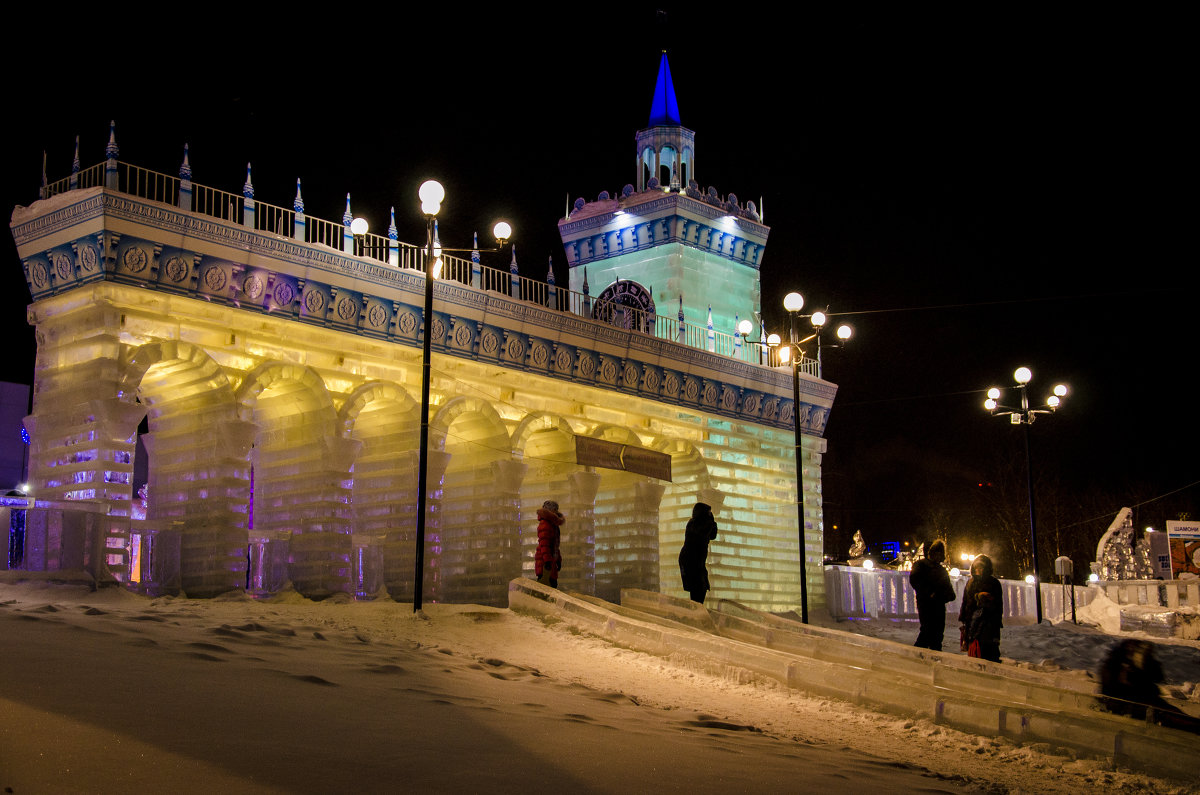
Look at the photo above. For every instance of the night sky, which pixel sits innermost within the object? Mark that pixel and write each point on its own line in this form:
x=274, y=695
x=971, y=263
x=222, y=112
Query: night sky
x=976, y=191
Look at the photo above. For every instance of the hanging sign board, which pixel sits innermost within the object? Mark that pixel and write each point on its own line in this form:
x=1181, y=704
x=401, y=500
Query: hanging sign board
x=1185, y=549
x=629, y=458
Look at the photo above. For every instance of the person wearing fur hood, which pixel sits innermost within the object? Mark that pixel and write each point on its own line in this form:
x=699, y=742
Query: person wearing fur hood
x=548, y=560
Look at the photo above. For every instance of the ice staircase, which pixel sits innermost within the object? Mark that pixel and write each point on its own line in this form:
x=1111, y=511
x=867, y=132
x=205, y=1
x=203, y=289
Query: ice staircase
x=968, y=694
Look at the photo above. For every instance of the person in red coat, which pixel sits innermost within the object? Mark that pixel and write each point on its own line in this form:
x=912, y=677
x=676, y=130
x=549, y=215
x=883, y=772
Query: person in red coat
x=548, y=560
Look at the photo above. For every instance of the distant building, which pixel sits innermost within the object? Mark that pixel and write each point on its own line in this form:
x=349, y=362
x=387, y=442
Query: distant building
x=276, y=362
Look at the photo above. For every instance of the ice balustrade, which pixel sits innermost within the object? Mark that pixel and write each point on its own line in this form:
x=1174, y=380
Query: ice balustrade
x=284, y=222
x=853, y=592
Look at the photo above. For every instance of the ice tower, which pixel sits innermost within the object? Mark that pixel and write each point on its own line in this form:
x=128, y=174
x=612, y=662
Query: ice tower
x=667, y=244
x=263, y=368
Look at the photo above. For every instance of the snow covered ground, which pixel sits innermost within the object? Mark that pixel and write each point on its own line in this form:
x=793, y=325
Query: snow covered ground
x=105, y=691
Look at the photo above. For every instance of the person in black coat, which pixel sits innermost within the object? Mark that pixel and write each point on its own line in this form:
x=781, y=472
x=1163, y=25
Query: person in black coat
x=1129, y=680
x=982, y=613
x=931, y=581
x=701, y=529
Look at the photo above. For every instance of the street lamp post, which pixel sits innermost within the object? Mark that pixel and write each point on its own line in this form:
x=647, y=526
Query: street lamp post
x=431, y=194
x=793, y=303
x=1024, y=415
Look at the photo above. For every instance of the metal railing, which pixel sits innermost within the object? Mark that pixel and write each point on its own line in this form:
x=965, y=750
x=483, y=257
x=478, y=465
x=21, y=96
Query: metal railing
x=283, y=222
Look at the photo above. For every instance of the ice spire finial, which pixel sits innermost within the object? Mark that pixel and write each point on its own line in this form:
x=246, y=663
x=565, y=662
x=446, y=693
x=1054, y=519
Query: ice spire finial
x=185, y=170
x=550, y=271
x=248, y=188
x=475, y=247
x=75, y=162
x=347, y=217
x=512, y=266
x=298, y=202
x=111, y=151
x=393, y=232
x=664, y=110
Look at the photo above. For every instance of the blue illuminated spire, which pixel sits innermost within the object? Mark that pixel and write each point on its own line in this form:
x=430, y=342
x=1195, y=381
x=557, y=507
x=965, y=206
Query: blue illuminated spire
x=664, y=110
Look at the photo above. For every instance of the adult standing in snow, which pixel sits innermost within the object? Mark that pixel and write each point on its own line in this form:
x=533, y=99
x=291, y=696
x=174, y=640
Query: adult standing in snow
x=701, y=529
x=931, y=581
x=982, y=613
x=547, y=562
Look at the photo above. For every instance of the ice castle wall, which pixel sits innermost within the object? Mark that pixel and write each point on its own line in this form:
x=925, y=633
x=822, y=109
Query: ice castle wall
x=277, y=381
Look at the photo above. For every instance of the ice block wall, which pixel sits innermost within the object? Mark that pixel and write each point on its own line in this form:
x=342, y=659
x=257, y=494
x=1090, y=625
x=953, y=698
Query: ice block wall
x=280, y=381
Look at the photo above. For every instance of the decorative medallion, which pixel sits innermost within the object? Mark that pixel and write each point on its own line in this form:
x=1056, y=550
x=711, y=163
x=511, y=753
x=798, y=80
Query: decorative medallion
x=540, y=354
x=631, y=376
x=625, y=304
x=818, y=420
x=377, y=316
x=314, y=301
x=587, y=366
x=253, y=286
x=439, y=329
x=608, y=371
x=515, y=349
x=729, y=400
x=805, y=415
x=671, y=384
x=462, y=335
x=751, y=403
x=134, y=259
x=771, y=409
x=710, y=394
x=490, y=342
x=89, y=258
x=284, y=293
x=691, y=390
x=347, y=308
x=214, y=278
x=62, y=266
x=38, y=275
x=785, y=412
x=562, y=360
x=652, y=379
x=407, y=323
x=176, y=269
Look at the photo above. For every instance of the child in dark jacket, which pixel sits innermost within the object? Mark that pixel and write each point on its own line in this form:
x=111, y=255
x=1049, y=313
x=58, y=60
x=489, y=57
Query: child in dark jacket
x=547, y=562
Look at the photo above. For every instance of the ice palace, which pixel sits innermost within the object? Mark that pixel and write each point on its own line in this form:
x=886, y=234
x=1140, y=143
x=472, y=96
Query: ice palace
x=273, y=364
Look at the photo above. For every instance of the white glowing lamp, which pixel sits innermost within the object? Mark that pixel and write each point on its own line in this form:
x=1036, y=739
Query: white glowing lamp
x=1029, y=579
x=1060, y=390
x=745, y=327
x=1093, y=577
x=818, y=319
x=431, y=194
x=793, y=302
x=358, y=227
x=990, y=404
x=994, y=393
x=773, y=340
x=502, y=231
x=868, y=564
x=954, y=572
x=844, y=332
x=1022, y=375
x=785, y=354
x=1053, y=401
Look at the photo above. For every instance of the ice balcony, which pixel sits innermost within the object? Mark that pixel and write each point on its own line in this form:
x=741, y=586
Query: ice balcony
x=274, y=357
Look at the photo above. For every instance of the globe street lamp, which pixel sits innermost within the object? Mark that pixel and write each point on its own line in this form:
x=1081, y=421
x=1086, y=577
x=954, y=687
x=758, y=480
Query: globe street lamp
x=1024, y=414
x=793, y=303
x=431, y=194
